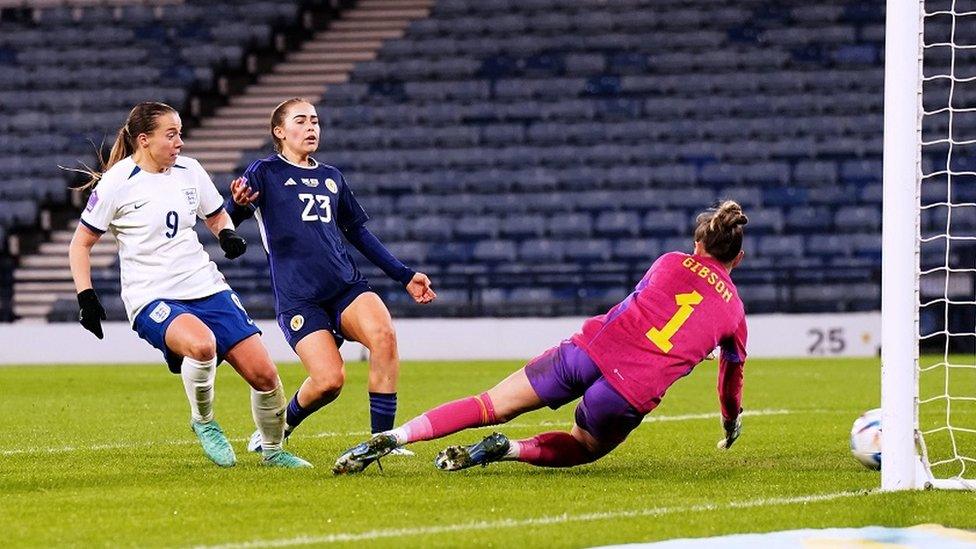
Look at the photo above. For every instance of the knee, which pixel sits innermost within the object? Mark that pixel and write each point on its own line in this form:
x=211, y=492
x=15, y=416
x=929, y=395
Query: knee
x=202, y=348
x=504, y=415
x=328, y=384
x=264, y=379
x=594, y=449
x=383, y=341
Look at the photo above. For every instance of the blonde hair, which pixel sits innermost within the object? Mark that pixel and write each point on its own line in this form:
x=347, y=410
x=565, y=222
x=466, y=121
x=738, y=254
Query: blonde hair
x=278, y=118
x=142, y=119
x=719, y=229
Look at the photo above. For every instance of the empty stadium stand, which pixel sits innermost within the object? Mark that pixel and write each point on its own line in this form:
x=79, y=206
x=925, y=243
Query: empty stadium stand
x=532, y=156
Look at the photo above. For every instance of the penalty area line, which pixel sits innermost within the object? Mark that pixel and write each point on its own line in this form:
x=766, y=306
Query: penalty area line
x=564, y=518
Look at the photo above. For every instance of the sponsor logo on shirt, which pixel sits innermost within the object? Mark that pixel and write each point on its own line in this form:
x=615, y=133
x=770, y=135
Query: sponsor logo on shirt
x=190, y=194
x=92, y=200
x=331, y=185
x=297, y=322
x=290, y=182
x=310, y=182
x=160, y=313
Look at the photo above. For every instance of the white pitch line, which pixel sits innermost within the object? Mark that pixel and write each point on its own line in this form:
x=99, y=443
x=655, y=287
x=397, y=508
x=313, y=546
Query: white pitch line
x=328, y=434
x=533, y=521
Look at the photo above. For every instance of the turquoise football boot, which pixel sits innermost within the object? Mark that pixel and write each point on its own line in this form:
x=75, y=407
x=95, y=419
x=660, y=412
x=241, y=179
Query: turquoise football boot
x=283, y=459
x=214, y=442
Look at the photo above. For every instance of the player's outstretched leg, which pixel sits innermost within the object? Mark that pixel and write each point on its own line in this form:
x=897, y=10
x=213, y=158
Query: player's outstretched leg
x=360, y=456
x=493, y=448
x=555, y=449
x=474, y=411
x=214, y=442
x=510, y=398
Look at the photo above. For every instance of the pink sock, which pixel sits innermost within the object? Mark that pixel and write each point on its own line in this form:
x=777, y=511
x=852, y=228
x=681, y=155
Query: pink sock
x=555, y=449
x=475, y=411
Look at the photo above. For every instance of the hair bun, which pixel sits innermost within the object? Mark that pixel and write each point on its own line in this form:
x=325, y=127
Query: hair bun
x=729, y=214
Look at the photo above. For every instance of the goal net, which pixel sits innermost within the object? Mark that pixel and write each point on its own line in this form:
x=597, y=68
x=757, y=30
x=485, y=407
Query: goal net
x=929, y=246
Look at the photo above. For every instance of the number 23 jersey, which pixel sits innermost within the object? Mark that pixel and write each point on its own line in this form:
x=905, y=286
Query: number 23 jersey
x=681, y=310
x=302, y=212
x=152, y=217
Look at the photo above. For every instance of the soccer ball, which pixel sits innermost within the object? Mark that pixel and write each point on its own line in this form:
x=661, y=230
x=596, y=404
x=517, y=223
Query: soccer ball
x=866, y=439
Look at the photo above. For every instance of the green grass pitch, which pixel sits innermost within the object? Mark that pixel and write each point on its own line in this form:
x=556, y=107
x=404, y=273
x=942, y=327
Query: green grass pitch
x=103, y=456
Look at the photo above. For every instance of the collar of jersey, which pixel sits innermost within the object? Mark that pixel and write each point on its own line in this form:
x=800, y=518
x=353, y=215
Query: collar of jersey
x=713, y=262
x=316, y=165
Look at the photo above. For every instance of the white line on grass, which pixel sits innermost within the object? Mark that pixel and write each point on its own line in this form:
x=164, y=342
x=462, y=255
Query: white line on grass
x=533, y=521
x=328, y=434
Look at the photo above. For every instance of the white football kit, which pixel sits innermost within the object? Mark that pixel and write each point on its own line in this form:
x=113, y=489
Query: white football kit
x=152, y=216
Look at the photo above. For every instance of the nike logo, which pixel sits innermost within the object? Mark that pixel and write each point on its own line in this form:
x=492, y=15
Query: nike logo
x=137, y=206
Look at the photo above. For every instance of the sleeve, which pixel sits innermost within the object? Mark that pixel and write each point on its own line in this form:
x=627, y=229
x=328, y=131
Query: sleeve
x=211, y=203
x=371, y=247
x=349, y=212
x=730, y=371
x=238, y=213
x=101, y=208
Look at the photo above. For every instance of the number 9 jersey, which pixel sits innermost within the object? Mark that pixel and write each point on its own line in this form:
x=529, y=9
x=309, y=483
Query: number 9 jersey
x=152, y=217
x=682, y=309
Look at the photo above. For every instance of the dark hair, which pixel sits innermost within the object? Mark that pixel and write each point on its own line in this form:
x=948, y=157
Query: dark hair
x=278, y=117
x=720, y=230
x=141, y=119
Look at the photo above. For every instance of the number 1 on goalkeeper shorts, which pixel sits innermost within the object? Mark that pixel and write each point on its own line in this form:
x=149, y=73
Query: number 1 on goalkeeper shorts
x=686, y=306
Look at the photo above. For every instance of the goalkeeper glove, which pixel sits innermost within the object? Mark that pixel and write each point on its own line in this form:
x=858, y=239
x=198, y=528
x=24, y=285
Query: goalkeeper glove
x=232, y=243
x=90, y=312
x=733, y=428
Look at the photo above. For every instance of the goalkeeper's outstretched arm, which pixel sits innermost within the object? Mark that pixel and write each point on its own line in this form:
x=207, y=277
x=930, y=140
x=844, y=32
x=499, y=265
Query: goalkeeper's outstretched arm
x=731, y=364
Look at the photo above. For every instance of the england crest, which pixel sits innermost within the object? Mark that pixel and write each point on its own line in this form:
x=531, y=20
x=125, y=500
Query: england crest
x=190, y=193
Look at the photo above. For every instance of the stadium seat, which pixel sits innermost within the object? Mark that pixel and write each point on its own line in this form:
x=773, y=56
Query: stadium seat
x=494, y=251
x=618, y=224
x=665, y=222
x=541, y=251
x=570, y=225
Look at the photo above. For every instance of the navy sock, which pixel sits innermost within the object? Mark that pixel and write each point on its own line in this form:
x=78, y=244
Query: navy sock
x=295, y=414
x=382, y=411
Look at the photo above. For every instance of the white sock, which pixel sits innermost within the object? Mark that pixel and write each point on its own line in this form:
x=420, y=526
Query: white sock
x=513, y=450
x=400, y=434
x=268, y=409
x=198, y=380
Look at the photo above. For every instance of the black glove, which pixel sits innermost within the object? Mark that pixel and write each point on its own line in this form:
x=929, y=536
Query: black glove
x=733, y=428
x=90, y=312
x=232, y=243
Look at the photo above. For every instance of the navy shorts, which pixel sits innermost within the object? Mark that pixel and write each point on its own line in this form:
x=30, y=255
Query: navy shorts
x=564, y=373
x=312, y=316
x=222, y=312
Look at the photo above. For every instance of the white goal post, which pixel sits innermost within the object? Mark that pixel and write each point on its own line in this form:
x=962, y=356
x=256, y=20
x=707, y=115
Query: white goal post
x=906, y=461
